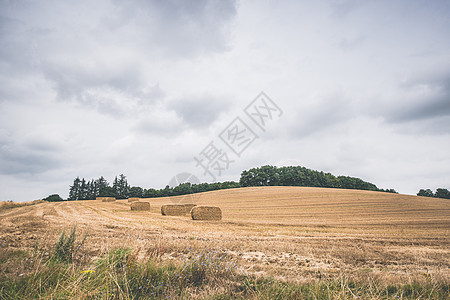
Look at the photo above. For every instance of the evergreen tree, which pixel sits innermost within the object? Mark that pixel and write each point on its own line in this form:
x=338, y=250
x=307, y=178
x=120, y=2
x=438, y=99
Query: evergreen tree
x=83, y=190
x=102, y=187
x=74, y=191
x=121, y=186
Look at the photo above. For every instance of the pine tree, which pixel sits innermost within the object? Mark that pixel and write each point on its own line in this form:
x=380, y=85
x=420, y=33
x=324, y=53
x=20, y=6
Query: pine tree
x=102, y=187
x=121, y=187
x=83, y=190
x=74, y=191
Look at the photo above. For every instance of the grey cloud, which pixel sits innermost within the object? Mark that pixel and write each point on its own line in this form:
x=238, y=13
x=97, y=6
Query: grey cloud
x=199, y=112
x=325, y=114
x=181, y=29
x=341, y=9
x=78, y=55
x=351, y=43
x=430, y=100
x=433, y=107
x=150, y=127
x=27, y=159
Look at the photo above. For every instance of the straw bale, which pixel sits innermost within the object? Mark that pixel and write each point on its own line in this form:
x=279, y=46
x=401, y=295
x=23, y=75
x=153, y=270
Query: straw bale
x=140, y=206
x=106, y=199
x=173, y=210
x=206, y=213
x=133, y=199
x=188, y=207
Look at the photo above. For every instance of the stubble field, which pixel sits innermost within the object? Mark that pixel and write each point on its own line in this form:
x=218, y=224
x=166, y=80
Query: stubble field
x=293, y=234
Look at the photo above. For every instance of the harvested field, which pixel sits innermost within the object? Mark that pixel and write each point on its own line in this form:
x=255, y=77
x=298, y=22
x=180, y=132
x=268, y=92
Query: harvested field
x=140, y=206
x=133, y=200
x=290, y=233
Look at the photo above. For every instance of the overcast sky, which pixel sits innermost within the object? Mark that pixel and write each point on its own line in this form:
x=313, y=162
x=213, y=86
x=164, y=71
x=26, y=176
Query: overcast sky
x=100, y=88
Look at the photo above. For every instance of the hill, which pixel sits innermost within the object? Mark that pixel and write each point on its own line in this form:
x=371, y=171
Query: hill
x=290, y=233
x=321, y=206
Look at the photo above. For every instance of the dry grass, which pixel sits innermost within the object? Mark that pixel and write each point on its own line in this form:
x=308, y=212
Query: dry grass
x=290, y=233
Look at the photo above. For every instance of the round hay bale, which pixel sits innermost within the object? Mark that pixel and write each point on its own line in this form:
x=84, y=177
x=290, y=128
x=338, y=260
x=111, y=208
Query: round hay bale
x=133, y=200
x=188, y=207
x=173, y=210
x=107, y=199
x=140, y=206
x=206, y=213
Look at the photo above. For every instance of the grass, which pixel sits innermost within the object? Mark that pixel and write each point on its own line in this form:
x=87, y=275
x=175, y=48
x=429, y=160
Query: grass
x=120, y=274
x=4, y=205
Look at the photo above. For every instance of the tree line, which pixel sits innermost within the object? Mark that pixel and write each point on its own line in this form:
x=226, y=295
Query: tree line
x=83, y=189
x=440, y=193
x=301, y=176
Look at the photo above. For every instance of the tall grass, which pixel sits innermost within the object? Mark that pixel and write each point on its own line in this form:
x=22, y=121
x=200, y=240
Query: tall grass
x=119, y=274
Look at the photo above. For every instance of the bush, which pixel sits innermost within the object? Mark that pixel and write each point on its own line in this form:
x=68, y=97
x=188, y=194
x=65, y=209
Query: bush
x=53, y=198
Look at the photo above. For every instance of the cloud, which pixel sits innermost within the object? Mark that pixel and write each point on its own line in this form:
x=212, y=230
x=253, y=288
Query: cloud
x=199, y=111
x=326, y=114
x=28, y=157
x=97, y=54
x=142, y=86
x=432, y=100
x=420, y=104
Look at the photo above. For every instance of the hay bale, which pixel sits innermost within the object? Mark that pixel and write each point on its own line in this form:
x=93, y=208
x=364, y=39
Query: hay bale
x=133, y=200
x=206, y=213
x=173, y=210
x=188, y=207
x=106, y=199
x=140, y=206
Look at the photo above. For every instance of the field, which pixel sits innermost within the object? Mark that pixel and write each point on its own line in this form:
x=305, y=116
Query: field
x=291, y=234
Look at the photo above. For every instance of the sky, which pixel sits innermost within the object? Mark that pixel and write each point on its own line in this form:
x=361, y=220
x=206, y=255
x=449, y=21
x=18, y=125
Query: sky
x=152, y=89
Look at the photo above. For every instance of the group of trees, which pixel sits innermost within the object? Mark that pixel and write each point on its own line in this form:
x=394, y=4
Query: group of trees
x=301, y=176
x=188, y=188
x=83, y=189
x=440, y=193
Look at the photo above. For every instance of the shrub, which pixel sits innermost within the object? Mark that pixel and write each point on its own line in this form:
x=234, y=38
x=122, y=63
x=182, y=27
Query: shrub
x=53, y=198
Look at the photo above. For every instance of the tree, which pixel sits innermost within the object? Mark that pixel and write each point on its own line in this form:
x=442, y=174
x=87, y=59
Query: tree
x=300, y=176
x=109, y=191
x=83, y=190
x=183, y=189
x=74, y=191
x=121, y=186
x=425, y=193
x=101, y=187
x=442, y=193
x=53, y=198
x=150, y=193
x=389, y=191
x=136, y=191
